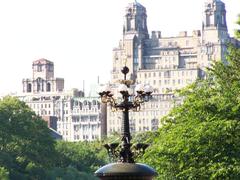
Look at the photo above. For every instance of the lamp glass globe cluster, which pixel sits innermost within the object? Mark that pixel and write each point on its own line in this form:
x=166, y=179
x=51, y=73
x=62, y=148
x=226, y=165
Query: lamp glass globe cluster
x=137, y=94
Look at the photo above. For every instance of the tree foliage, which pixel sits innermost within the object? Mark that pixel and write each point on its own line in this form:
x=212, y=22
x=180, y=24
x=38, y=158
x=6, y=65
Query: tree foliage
x=4, y=174
x=84, y=156
x=68, y=173
x=24, y=139
x=200, y=139
x=237, y=32
x=27, y=150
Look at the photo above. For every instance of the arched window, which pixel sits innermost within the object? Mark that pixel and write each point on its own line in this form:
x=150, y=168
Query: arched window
x=29, y=87
x=39, y=82
x=48, y=87
x=38, y=86
x=76, y=103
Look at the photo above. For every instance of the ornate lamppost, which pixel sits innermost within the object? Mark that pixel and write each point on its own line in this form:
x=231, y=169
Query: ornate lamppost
x=126, y=168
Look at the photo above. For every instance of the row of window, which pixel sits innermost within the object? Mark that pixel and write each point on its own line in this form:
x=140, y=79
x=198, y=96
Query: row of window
x=40, y=87
x=84, y=119
x=63, y=119
x=78, y=103
x=44, y=113
x=169, y=44
x=41, y=67
x=62, y=125
x=64, y=133
x=165, y=106
x=34, y=106
x=168, y=82
x=78, y=110
x=141, y=121
x=86, y=137
x=166, y=74
x=132, y=129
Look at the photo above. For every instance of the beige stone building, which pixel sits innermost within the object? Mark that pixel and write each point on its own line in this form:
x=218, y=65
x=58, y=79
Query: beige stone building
x=43, y=79
x=147, y=119
x=166, y=63
x=86, y=115
x=71, y=114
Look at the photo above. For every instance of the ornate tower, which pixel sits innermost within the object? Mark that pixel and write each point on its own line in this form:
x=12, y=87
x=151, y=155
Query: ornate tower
x=214, y=22
x=130, y=48
x=42, y=78
x=214, y=30
x=135, y=21
x=43, y=69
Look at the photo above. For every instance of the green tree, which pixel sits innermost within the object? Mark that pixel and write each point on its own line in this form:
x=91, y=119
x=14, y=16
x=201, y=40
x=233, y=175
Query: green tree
x=84, y=156
x=25, y=141
x=201, y=138
x=27, y=151
x=4, y=174
x=68, y=173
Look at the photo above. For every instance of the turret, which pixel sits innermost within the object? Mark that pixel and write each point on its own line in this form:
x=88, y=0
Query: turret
x=214, y=22
x=135, y=20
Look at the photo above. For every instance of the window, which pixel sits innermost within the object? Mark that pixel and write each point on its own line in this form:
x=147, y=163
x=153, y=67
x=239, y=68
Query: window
x=29, y=87
x=50, y=68
x=223, y=20
x=48, y=87
x=38, y=87
x=167, y=74
x=39, y=83
x=39, y=68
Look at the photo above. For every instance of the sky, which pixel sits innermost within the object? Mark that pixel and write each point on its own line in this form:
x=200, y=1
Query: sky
x=78, y=36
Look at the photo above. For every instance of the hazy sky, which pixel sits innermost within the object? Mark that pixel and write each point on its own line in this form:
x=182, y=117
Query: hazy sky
x=78, y=36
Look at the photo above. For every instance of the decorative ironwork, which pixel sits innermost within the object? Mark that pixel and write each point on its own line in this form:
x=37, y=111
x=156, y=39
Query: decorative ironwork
x=126, y=152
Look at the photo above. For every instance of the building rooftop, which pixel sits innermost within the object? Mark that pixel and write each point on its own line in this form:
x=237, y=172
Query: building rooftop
x=42, y=61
